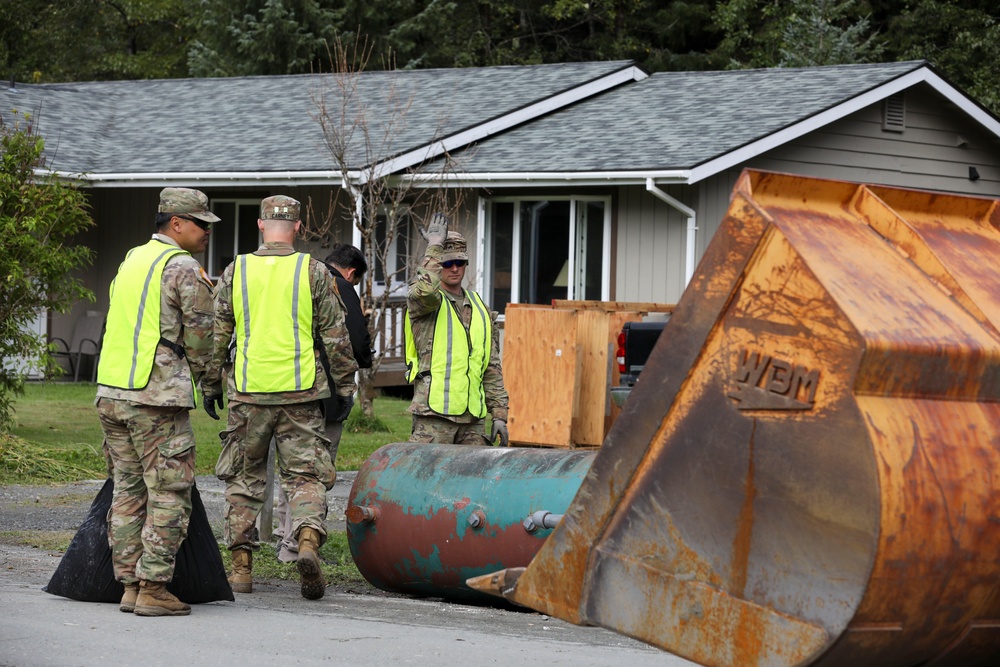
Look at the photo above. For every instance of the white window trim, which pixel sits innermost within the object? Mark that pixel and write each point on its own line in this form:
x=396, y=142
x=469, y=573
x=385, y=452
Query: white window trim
x=484, y=280
x=396, y=287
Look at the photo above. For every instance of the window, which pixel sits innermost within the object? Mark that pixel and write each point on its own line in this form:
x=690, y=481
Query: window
x=398, y=253
x=544, y=249
x=235, y=234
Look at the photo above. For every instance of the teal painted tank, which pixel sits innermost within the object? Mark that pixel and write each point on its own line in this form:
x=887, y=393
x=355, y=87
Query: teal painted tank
x=421, y=519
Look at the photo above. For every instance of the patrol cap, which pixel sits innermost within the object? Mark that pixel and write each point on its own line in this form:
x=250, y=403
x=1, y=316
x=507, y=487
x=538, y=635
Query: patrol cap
x=455, y=247
x=185, y=201
x=279, y=207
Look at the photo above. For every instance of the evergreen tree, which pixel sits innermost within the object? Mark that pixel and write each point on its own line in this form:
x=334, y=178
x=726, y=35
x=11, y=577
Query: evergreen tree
x=960, y=38
x=796, y=33
x=827, y=32
x=261, y=37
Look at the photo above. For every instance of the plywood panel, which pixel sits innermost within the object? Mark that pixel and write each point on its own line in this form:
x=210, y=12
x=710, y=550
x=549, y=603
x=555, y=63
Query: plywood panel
x=596, y=334
x=541, y=368
x=592, y=336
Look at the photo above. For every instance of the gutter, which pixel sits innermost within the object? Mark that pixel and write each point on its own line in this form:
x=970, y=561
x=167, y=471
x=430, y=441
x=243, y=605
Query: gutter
x=201, y=178
x=359, y=212
x=692, y=226
x=331, y=177
x=546, y=178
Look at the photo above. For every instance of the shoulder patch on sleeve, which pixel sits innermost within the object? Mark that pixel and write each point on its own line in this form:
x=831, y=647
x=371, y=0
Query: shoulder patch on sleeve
x=201, y=273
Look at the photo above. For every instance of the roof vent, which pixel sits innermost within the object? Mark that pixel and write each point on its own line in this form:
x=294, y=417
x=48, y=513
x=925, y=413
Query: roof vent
x=894, y=113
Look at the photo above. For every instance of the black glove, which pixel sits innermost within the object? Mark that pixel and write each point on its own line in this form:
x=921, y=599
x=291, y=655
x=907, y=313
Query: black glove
x=344, y=406
x=210, y=402
x=500, y=429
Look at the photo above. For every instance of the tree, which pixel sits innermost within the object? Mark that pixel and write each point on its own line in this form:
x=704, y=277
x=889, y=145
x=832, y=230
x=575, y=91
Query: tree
x=800, y=33
x=828, y=32
x=39, y=216
x=40, y=40
x=961, y=38
x=262, y=37
x=384, y=207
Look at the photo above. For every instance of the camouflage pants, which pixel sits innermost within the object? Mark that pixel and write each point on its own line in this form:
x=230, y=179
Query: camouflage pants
x=152, y=452
x=446, y=432
x=288, y=547
x=303, y=463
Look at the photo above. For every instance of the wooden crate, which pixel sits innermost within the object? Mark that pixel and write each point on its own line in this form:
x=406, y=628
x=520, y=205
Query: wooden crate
x=559, y=367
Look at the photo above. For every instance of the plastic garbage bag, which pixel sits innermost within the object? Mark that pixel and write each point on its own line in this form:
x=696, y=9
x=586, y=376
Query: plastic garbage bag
x=85, y=572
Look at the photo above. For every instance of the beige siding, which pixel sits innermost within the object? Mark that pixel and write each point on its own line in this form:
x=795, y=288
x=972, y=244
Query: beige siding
x=649, y=262
x=713, y=202
x=926, y=155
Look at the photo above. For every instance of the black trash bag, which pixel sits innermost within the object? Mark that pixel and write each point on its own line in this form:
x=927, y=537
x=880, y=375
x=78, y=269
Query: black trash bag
x=85, y=572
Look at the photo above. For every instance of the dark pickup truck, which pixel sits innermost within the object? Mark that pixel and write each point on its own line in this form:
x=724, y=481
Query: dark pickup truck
x=635, y=343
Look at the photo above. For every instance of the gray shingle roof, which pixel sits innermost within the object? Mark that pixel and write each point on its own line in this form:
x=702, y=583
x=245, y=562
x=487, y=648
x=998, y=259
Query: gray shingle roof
x=268, y=123
x=675, y=120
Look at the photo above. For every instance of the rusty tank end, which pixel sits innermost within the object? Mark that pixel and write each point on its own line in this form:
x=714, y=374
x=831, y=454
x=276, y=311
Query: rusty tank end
x=807, y=471
x=422, y=519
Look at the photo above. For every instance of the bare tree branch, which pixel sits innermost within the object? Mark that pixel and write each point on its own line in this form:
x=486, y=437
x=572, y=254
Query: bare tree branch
x=361, y=127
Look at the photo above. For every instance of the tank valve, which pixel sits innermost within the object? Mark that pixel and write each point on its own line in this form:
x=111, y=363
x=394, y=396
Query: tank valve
x=541, y=519
x=477, y=519
x=362, y=514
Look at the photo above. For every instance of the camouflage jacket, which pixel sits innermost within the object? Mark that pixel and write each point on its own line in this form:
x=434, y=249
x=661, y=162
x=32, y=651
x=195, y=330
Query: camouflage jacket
x=328, y=327
x=422, y=302
x=185, y=318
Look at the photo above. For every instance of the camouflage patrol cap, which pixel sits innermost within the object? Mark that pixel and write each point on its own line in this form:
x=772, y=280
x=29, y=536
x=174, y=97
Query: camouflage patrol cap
x=185, y=201
x=455, y=248
x=279, y=207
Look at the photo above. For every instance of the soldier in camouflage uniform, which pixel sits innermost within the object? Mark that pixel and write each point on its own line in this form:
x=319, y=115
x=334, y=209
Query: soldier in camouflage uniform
x=156, y=346
x=449, y=405
x=276, y=388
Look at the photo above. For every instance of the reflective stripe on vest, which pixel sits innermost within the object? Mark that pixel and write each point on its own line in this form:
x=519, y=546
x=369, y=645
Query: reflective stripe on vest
x=133, y=327
x=458, y=358
x=272, y=305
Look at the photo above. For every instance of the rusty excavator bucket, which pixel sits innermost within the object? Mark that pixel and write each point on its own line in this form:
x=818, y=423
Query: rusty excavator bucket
x=808, y=469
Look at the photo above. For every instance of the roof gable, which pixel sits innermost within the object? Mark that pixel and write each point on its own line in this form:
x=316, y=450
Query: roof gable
x=686, y=126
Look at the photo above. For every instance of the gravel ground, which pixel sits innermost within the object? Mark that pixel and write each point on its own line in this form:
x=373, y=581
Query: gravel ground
x=62, y=508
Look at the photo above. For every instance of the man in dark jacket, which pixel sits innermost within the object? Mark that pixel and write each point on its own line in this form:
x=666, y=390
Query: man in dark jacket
x=348, y=266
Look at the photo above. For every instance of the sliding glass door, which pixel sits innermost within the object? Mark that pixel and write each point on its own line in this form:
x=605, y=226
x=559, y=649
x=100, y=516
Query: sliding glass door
x=544, y=249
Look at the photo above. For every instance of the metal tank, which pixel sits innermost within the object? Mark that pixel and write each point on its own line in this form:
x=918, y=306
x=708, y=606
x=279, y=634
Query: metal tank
x=422, y=518
x=808, y=470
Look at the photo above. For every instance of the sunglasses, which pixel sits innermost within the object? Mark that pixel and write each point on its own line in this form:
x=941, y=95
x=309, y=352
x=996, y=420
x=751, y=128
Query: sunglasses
x=454, y=262
x=206, y=226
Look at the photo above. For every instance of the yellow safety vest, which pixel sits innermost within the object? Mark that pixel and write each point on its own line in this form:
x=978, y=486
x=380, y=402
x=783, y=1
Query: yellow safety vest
x=133, y=329
x=458, y=358
x=272, y=304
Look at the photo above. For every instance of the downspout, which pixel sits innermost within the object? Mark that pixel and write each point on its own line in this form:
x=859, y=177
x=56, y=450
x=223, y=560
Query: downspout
x=692, y=226
x=359, y=208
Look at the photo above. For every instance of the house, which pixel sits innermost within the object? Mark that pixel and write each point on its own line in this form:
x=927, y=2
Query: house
x=588, y=180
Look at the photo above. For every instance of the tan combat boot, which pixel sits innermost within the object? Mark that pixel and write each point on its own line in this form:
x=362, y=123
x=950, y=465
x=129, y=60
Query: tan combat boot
x=308, y=564
x=155, y=600
x=241, y=580
x=128, y=600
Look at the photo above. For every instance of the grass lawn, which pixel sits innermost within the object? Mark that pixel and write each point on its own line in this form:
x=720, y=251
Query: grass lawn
x=58, y=421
